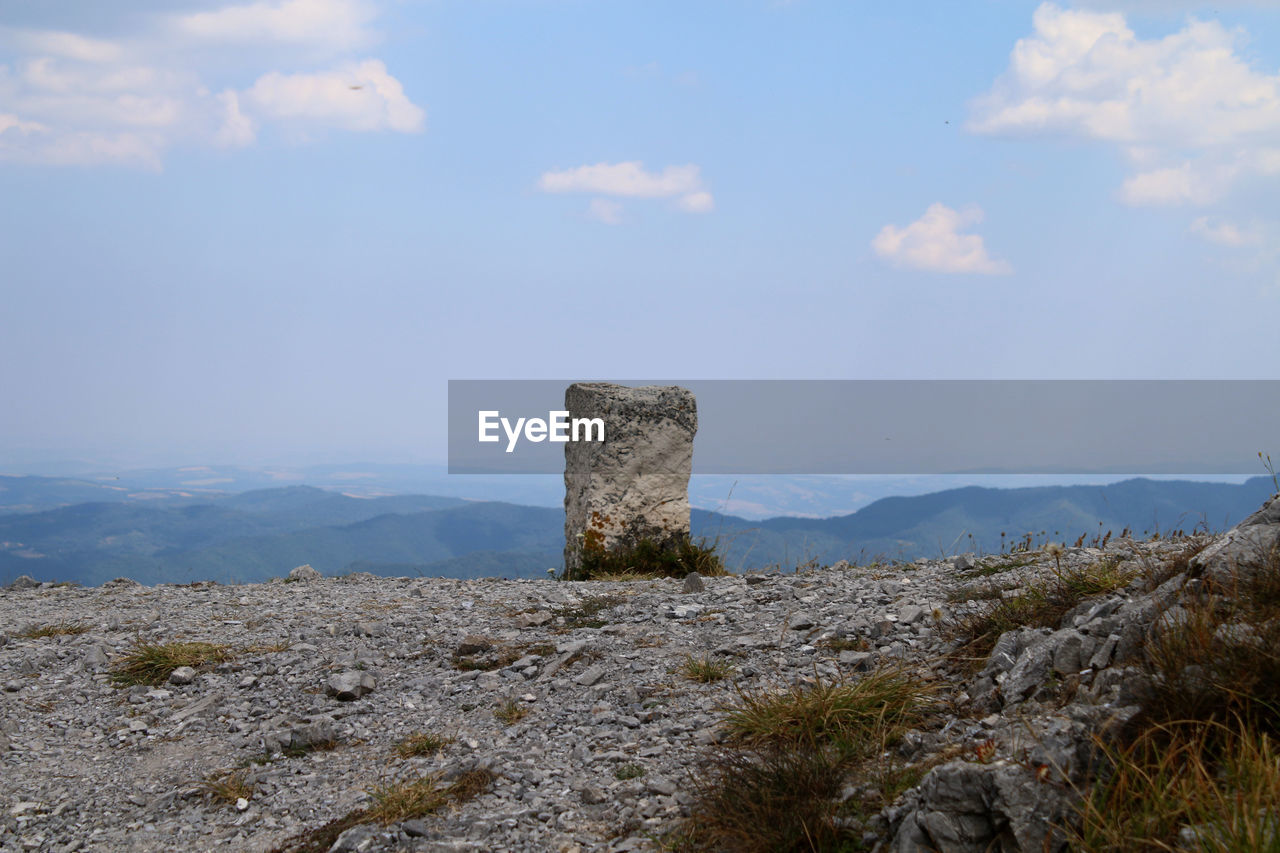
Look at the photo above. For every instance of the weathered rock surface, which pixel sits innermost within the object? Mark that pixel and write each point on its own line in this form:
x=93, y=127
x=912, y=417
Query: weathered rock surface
x=1255, y=539
x=634, y=485
x=596, y=665
x=304, y=573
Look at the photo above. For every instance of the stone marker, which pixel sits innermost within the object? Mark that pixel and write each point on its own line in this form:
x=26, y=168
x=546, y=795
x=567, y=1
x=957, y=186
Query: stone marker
x=634, y=485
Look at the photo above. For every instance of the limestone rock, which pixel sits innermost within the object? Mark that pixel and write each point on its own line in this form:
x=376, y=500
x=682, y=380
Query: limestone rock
x=634, y=485
x=1253, y=540
x=304, y=573
x=693, y=583
x=350, y=685
x=24, y=582
x=182, y=675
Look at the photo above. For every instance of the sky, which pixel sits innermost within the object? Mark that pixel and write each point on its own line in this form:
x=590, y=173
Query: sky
x=272, y=231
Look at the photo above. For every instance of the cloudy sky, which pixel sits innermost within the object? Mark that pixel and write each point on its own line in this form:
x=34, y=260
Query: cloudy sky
x=272, y=230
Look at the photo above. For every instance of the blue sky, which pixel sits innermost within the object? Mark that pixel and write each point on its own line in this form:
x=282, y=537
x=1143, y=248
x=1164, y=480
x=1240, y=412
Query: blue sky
x=271, y=231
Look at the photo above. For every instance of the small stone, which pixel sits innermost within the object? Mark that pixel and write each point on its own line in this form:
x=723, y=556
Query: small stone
x=857, y=660
x=474, y=644
x=304, y=573
x=97, y=657
x=533, y=620
x=415, y=828
x=801, y=621
x=910, y=614
x=241, y=804
x=659, y=785
x=590, y=675
x=693, y=583
x=350, y=685
x=182, y=675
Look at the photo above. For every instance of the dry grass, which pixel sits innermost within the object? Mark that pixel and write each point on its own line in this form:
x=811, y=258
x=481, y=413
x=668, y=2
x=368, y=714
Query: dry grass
x=148, y=663
x=791, y=755
x=1041, y=606
x=1199, y=768
x=510, y=712
x=63, y=628
x=393, y=803
x=1218, y=783
x=850, y=714
x=228, y=786
x=705, y=669
x=421, y=743
x=1221, y=660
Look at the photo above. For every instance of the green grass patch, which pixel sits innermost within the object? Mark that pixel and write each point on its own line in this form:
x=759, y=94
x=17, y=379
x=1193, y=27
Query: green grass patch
x=629, y=771
x=705, y=669
x=647, y=559
x=778, y=783
x=854, y=716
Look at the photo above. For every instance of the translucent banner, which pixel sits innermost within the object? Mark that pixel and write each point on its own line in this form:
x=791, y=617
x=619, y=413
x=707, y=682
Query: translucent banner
x=899, y=426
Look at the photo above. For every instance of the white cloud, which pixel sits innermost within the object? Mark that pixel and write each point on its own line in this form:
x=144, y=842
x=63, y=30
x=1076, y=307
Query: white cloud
x=337, y=24
x=603, y=210
x=237, y=129
x=630, y=180
x=12, y=122
x=1181, y=184
x=699, y=202
x=68, y=45
x=356, y=96
x=1226, y=233
x=68, y=99
x=1187, y=107
x=934, y=243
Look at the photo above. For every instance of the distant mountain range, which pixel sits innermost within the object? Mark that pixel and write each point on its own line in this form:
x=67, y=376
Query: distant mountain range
x=92, y=532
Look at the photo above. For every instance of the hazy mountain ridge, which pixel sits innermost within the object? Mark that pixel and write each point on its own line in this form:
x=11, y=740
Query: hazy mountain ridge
x=263, y=533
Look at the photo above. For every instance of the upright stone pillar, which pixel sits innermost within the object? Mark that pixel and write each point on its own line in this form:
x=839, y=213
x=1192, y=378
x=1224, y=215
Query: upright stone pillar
x=634, y=485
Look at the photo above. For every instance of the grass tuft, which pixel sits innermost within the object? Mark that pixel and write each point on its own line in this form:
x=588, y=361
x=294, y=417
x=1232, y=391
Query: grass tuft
x=853, y=715
x=227, y=787
x=393, y=803
x=705, y=670
x=649, y=559
x=1214, y=786
x=629, y=771
x=55, y=629
x=421, y=743
x=791, y=755
x=510, y=712
x=148, y=663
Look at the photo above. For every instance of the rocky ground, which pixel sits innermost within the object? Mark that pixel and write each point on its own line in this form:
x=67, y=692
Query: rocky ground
x=573, y=695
